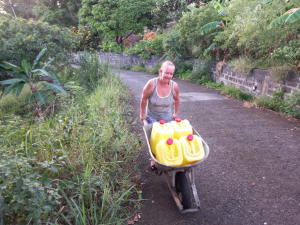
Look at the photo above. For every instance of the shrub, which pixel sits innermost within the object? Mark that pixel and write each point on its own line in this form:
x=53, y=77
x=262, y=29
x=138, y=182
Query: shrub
x=182, y=68
x=22, y=39
x=88, y=40
x=291, y=105
x=242, y=65
x=274, y=103
x=91, y=71
x=196, y=76
x=280, y=73
x=173, y=49
x=28, y=74
x=145, y=48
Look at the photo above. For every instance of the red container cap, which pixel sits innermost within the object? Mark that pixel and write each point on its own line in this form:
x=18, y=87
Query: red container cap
x=190, y=137
x=161, y=122
x=178, y=120
x=170, y=141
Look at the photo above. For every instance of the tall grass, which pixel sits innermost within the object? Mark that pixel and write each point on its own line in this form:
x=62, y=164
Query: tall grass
x=84, y=158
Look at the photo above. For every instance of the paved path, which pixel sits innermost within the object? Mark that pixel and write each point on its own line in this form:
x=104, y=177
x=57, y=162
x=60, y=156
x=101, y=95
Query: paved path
x=247, y=146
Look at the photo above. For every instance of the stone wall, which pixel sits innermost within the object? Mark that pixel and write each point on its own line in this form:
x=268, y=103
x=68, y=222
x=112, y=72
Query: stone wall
x=117, y=60
x=258, y=82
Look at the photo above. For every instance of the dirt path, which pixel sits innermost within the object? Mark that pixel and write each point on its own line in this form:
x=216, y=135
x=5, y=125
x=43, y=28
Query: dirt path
x=252, y=175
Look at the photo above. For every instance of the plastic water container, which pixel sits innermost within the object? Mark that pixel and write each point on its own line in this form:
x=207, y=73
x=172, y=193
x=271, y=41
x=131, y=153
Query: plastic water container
x=181, y=128
x=192, y=149
x=160, y=130
x=169, y=152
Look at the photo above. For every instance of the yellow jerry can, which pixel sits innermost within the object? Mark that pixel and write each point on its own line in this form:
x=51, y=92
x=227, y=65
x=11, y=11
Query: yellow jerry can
x=192, y=149
x=160, y=130
x=181, y=128
x=169, y=152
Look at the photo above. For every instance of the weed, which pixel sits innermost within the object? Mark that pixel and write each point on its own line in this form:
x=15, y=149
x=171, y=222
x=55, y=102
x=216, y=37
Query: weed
x=125, y=67
x=280, y=73
x=237, y=93
x=242, y=65
x=138, y=69
x=75, y=167
x=291, y=105
x=274, y=103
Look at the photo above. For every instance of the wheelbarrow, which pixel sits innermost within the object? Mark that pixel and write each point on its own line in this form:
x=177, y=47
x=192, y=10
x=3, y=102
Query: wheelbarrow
x=180, y=179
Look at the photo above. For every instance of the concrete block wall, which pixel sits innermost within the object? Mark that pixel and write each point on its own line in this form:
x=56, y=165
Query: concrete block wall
x=117, y=60
x=258, y=82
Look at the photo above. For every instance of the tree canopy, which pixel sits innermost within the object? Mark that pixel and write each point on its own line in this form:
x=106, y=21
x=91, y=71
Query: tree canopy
x=63, y=13
x=21, y=39
x=115, y=20
x=22, y=8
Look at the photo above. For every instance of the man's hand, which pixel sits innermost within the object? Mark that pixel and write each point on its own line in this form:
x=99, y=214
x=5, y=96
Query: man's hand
x=143, y=117
x=174, y=116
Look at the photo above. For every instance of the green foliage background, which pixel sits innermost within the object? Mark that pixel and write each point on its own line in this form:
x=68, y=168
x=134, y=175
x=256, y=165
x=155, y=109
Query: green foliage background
x=21, y=39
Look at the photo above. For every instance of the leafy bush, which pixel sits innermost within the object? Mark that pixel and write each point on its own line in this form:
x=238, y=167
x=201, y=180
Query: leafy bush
x=88, y=40
x=291, y=105
x=22, y=39
x=202, y=73
x=28, y=74
x=188, y=29
x=290, y=53
x=111, y=46
x=182, y=68
x=173, y=49
x=145, y=48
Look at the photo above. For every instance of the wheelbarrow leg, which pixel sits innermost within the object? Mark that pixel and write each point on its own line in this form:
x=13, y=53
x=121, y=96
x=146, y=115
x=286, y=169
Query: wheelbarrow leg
x=174, y=194
x=192, y=180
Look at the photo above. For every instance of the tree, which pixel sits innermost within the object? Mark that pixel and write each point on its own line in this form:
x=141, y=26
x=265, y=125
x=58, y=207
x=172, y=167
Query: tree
x=116, y=20
x=21, y=39
x=63, y=13
x=22, y=8
x=170, y=10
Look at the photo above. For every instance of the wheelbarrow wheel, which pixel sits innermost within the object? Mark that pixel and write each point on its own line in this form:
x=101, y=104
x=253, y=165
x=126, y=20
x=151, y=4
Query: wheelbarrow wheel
x=183, y=190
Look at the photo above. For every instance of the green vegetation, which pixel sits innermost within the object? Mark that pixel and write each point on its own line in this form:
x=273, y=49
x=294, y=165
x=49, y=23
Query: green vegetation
x=145, y=48
x=114, y=19
x=76, y=165
x=28, y=74
x=288, y=106
x=21, y=39
x=141, y=68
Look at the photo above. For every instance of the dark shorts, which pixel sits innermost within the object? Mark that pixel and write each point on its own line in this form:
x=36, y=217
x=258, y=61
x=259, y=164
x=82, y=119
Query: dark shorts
x=151, y=121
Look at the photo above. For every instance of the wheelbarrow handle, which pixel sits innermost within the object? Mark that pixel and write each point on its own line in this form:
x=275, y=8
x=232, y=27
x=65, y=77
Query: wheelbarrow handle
x=145, y=122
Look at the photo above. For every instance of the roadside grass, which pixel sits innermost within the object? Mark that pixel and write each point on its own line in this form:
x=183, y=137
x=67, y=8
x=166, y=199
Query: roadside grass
x=11, y=105
x=77, y=167
x=236, y=93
